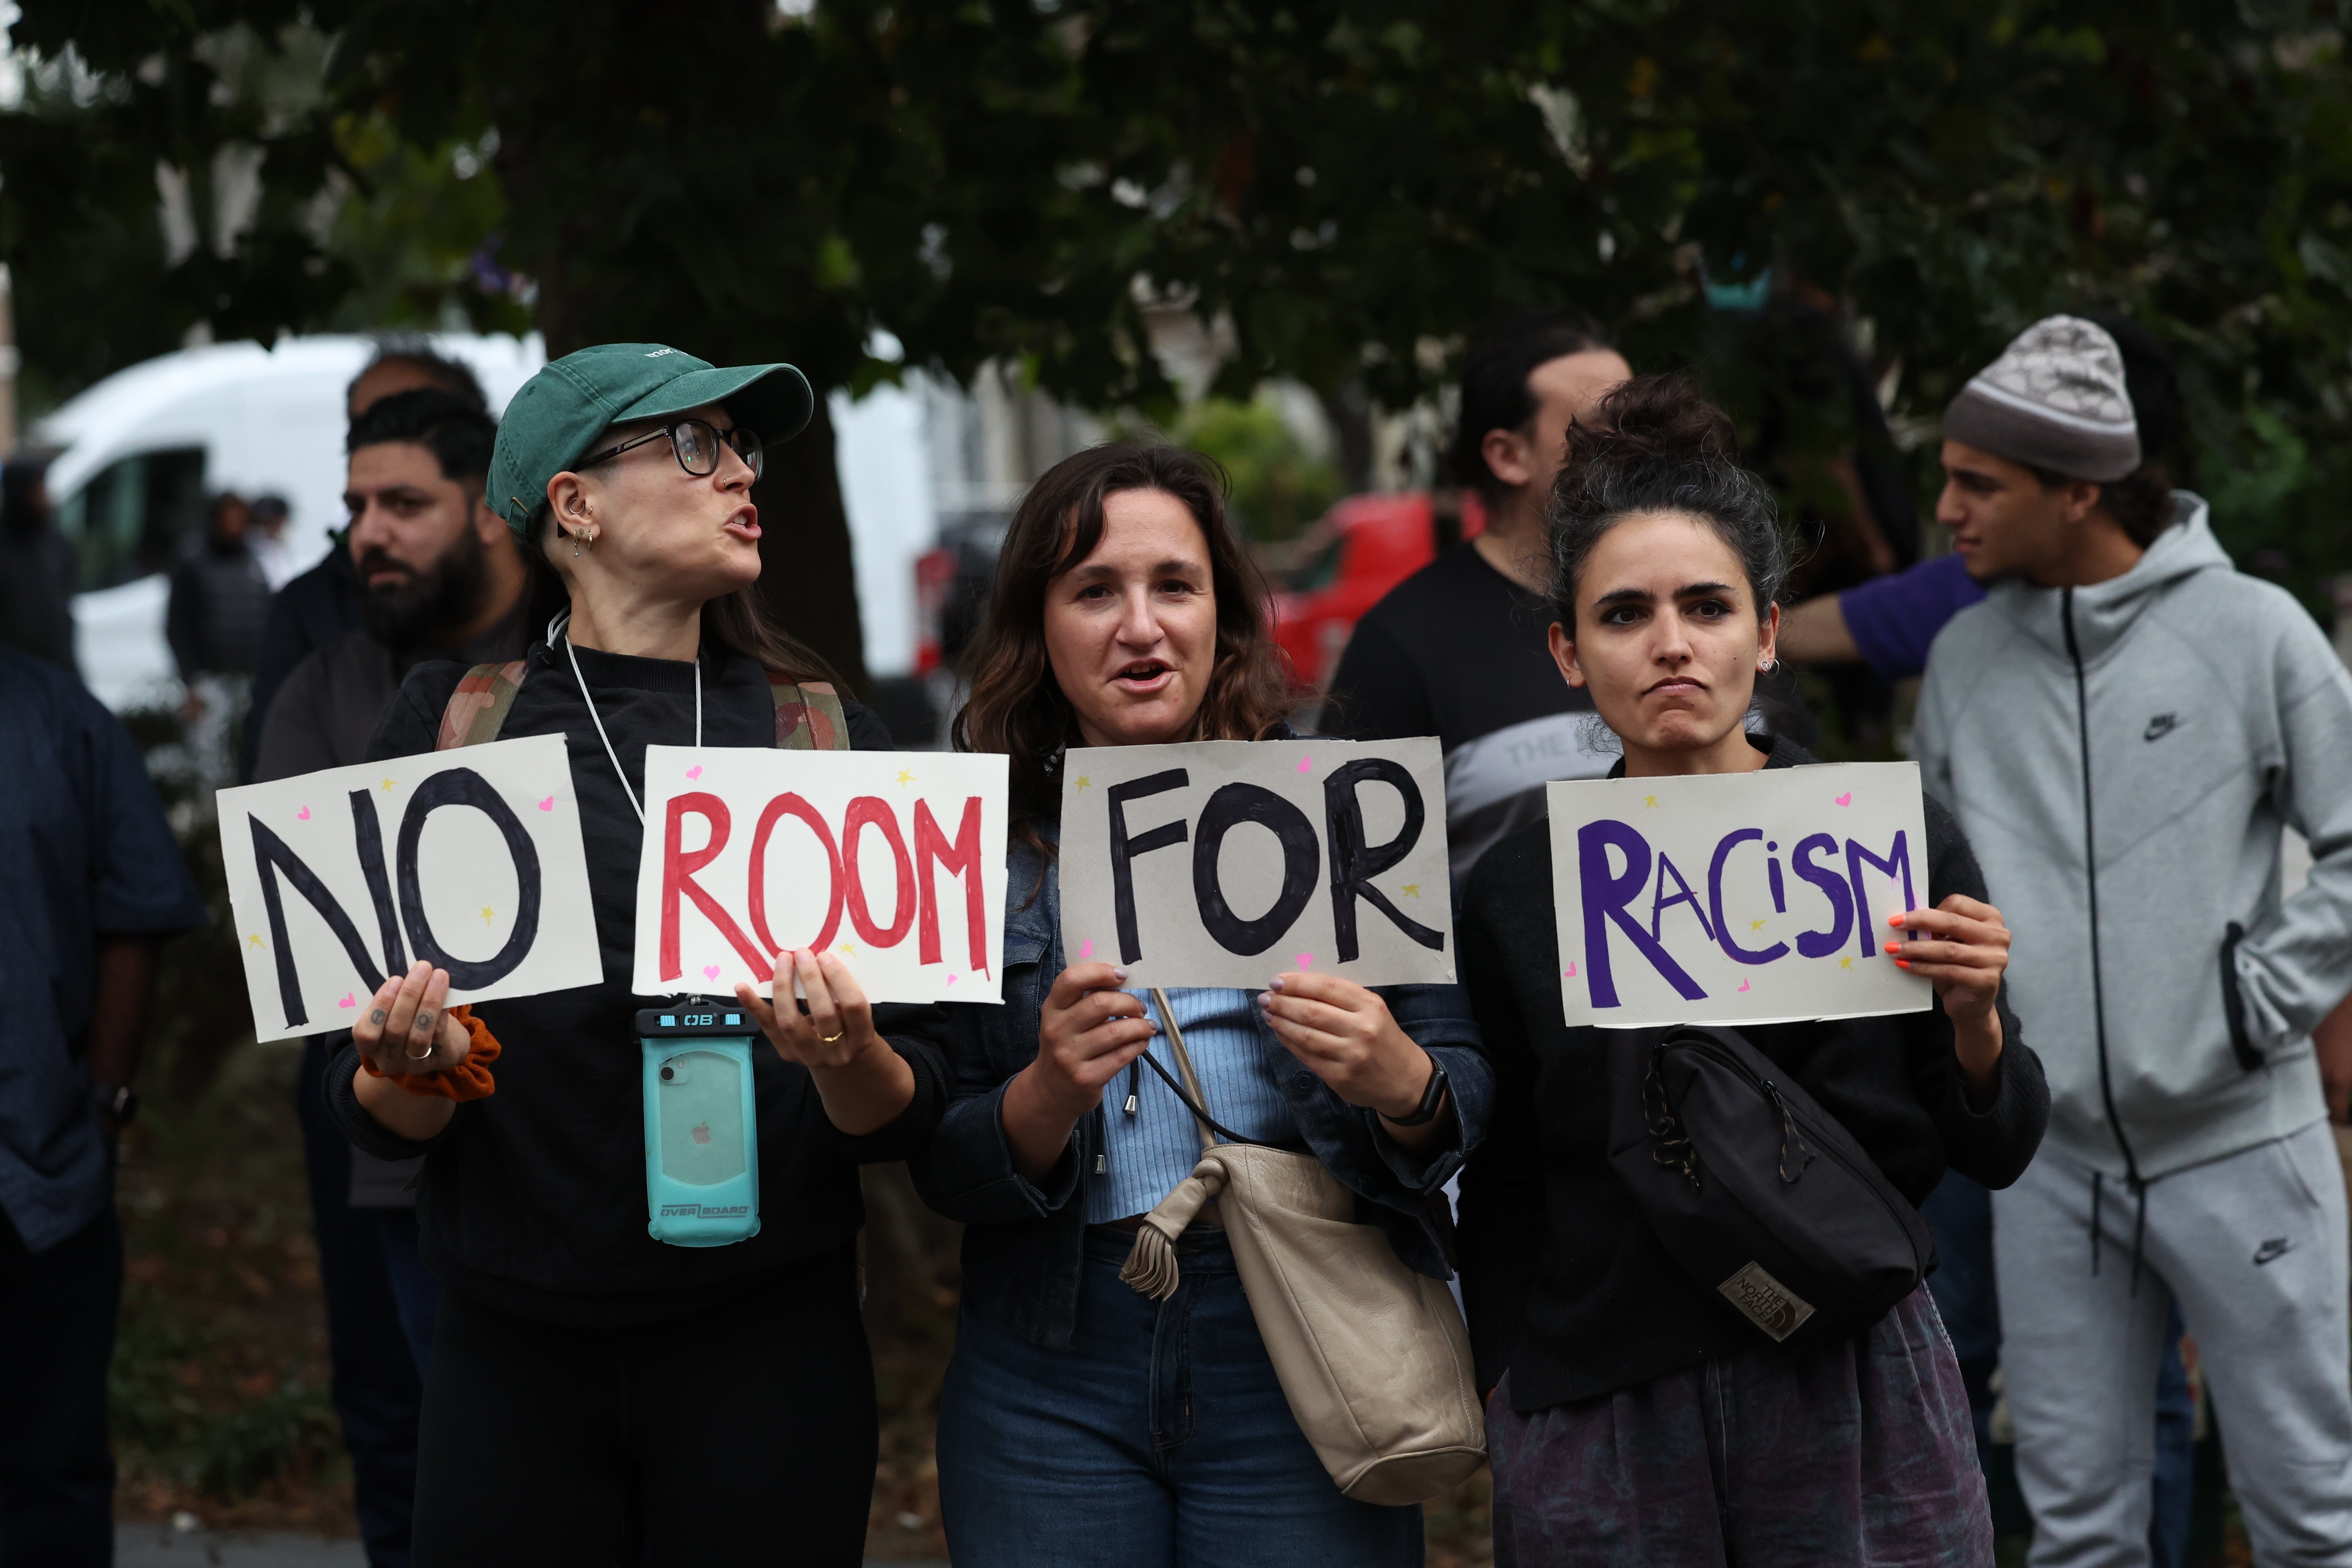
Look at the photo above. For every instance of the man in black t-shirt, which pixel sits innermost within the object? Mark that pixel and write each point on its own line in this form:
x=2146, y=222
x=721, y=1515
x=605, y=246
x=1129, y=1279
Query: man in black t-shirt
x=1458, y=650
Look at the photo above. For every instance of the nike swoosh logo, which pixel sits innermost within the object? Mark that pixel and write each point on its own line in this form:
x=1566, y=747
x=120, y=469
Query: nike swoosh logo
x=2160, y=726
x=2276, y=1248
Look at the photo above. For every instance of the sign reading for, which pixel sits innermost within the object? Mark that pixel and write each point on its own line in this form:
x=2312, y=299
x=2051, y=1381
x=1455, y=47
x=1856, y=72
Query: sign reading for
x=1737, y=899
x=893, y=860
x=1228, y=862
x=467, y=860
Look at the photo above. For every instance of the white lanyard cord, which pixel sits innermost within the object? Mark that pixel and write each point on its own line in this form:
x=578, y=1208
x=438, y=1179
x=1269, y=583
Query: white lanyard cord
x=561, y=626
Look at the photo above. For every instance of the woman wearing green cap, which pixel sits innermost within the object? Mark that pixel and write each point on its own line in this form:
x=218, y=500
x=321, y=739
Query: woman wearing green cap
x=595, y=1395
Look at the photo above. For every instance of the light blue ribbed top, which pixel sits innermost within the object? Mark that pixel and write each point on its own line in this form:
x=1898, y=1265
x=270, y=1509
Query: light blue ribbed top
x=1145, y=1154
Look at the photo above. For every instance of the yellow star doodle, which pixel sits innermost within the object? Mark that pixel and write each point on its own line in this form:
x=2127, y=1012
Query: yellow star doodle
x=487, y=917
x=254, y=939
x=843, y=947
x=387, y=784
x=905, y=777
x=1846, y=963
x=1410, y=889
x=1755, y=925
x=1650, y=802
x=1083, y=781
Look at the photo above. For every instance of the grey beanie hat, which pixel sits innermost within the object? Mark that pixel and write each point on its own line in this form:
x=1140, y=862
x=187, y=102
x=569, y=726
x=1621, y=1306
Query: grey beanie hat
x=2054, y=399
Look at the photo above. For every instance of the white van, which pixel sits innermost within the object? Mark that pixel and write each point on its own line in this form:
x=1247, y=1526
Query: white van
x=142, y=450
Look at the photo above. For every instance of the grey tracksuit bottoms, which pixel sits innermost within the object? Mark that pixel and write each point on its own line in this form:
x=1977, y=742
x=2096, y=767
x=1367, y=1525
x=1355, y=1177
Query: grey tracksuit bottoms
x=2254, y=1245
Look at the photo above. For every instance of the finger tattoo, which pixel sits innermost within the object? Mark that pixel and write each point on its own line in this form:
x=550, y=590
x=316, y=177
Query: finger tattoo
x=424, y=1024
x=376, y=1017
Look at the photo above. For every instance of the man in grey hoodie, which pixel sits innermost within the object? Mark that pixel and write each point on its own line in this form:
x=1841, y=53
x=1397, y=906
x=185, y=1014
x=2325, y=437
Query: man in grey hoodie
x=2122, y=727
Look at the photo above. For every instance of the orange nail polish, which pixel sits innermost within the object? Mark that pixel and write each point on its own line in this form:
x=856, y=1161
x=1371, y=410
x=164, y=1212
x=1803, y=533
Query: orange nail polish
x=1896, y=919
x=1894, y=947
x=1902, y=963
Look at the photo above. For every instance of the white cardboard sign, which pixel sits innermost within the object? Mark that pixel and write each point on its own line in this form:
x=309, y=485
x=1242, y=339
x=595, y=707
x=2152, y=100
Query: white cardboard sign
x=1737, y=898
x=893, y=860
x=1227, y=862
x=469, y=858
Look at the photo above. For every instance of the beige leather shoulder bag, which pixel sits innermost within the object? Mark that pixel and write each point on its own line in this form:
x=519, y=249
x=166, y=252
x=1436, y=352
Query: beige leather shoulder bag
x=1372, y=1355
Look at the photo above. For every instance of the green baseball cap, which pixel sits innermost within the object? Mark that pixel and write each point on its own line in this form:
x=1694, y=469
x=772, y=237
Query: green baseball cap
x=558, y=414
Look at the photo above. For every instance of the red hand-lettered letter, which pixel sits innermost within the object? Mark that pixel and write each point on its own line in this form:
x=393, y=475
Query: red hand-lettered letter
x=678, y=876
x=779, y=808
x=870, y=810
x=932, y=853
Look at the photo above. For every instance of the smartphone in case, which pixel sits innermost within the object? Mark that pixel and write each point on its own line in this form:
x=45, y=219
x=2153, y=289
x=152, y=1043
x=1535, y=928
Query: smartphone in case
x=702, y=1134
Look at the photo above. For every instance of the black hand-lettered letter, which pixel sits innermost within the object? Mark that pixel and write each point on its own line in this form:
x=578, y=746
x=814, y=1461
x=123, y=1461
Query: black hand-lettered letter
x=271, y=857
x=1227, y=809
x=463, y=786
x=1125, y=848
x=1354, y=863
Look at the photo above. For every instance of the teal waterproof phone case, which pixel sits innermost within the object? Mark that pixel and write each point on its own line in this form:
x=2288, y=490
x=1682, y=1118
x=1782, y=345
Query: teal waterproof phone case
x=702, y=1131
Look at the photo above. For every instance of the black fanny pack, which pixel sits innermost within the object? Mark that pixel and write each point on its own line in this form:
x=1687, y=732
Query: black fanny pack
x=1755, y=1190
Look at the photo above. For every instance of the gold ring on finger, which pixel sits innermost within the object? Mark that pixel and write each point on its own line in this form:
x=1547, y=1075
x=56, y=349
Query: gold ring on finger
x=828, y=1039
x=423, y=1056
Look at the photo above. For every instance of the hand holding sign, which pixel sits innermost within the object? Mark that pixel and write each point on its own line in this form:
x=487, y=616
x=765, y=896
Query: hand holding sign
x=1344, y=1034
x=863, y=1082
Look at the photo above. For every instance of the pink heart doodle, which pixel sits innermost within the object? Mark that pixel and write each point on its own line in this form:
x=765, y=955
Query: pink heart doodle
x=1305, y=764
x=547, y=804
x=695, y=771
x=1306, y=961
x=952, y=979
x=1569, y=971
x=1845, y=799
x=1086, y=948
x=711, y=972
x=1743, y=985
x=303, y=815
x=349, y=1000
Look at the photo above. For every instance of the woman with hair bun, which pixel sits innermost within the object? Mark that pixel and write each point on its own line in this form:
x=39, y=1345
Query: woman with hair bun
x=1635, y=1418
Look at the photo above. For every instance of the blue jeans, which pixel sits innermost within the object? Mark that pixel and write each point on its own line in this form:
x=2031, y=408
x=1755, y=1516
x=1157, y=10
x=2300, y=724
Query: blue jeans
x=1160, y=1439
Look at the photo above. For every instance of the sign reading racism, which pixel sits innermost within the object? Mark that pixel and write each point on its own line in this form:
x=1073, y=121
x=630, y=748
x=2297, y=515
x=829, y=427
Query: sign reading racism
x=1737, y=899
x=467, y=860
x=893, y=860
x=1227, y=862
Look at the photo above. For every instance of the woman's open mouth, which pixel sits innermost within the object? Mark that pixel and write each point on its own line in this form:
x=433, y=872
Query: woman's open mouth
x=1144, y=677
x=745, y=524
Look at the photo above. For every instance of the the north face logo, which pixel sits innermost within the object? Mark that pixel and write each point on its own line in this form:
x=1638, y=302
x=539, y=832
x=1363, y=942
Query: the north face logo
x=2160, y=726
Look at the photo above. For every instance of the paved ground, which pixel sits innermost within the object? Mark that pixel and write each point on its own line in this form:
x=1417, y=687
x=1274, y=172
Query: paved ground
x=160, y=1546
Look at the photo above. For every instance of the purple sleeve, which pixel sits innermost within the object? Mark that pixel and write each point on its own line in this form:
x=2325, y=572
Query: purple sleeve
x=1894, y=618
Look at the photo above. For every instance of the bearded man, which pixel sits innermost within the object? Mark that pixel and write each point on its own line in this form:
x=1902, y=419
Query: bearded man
x=441, y=578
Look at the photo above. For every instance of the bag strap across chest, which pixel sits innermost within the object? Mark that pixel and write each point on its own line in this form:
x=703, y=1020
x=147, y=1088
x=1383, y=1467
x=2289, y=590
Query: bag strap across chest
x=809, y=716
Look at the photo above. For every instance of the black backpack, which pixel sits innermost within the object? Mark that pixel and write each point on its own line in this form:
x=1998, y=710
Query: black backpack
x=1755, y=1190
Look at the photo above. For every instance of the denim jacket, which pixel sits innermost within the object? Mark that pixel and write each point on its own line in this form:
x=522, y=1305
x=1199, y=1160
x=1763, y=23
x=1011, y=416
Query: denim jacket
x=1023, y=1244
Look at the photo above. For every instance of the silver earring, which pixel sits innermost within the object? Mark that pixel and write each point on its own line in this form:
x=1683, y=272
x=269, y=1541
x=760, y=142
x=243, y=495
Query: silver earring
x=575, y=547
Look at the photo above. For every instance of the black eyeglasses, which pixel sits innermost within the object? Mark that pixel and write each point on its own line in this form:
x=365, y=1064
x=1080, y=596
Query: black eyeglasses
x=695, y=443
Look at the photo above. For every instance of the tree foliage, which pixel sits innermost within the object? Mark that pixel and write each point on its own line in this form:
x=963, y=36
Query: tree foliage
x=1346, y=189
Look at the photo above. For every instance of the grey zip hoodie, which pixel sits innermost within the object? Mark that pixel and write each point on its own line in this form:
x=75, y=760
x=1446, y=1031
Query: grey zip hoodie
x=2122, y=757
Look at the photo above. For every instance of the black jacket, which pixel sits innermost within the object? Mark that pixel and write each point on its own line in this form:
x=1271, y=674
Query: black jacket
x=533, y=1200
x=1566, y=1286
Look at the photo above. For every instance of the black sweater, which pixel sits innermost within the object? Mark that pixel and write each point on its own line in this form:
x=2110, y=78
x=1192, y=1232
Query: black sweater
x=533, y=1200
x=1566, y=1286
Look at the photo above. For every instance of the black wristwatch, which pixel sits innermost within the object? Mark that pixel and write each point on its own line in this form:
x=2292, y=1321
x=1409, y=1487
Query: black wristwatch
x=1431, y=1098
x=121, y=1101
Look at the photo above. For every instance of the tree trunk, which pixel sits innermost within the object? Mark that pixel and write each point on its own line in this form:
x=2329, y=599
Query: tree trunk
x=808, y=574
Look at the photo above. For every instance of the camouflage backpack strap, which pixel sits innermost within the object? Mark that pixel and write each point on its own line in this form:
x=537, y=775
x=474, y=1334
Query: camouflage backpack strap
x=477, y=708
x=808, y=715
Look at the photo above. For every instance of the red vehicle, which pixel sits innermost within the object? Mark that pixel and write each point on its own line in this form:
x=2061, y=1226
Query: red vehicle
x=1363, y=547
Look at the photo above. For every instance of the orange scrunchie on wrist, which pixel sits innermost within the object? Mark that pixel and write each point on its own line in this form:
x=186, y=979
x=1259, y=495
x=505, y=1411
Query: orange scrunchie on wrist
x=469, y=1079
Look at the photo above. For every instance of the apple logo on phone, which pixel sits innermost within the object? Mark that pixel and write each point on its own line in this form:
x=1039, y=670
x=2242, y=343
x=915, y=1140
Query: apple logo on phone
x=702, y=1133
